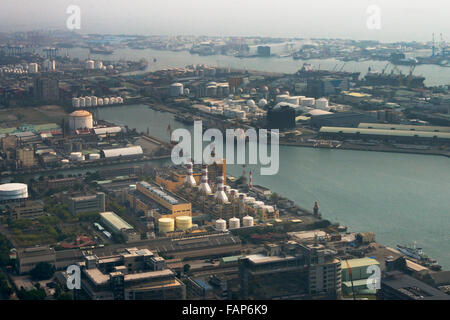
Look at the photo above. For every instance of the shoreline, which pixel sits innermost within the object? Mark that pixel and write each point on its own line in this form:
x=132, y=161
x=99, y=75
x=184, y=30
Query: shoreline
x=370, y=149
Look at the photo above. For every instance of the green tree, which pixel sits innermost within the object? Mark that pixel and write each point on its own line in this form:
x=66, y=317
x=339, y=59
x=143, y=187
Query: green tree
x=42, y=271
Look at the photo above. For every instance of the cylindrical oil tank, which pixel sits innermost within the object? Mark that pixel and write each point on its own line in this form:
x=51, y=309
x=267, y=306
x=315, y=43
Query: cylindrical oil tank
x=112, y=100
x=221, y=225
x=82, y=102
x=94, y=101
x=13, y=191
x=80, y=119
x=248, y=221
x=234, y=223
x=100, y=101
x=88, y=101
x=166, y=225
x=105, y=101
x=75, y=102
x=176, y=89
x=183, y=222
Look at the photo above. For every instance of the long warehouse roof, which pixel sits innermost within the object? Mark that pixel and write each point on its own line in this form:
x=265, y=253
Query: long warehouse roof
x=392, y=133
x=389, y=126
x=130, y=151
x=115, y=220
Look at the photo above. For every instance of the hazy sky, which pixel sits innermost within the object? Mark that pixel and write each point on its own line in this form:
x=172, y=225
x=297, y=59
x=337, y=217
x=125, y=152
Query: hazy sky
x=400, y=19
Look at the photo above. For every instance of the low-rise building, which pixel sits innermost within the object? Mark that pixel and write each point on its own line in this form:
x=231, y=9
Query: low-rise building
x=87, y=203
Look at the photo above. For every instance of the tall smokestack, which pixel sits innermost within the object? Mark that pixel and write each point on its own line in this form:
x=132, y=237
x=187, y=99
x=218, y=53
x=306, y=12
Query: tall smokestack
x=189, y=180
x=220, y=195
x=250, y=183
x=204, y=185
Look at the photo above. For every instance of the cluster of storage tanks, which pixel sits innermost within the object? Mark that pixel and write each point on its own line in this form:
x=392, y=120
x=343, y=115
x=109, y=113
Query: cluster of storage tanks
x=97, y=65
x=94, y=101
x=303, y=101
x=234, y=223
x=182, y=223
x=233, y=110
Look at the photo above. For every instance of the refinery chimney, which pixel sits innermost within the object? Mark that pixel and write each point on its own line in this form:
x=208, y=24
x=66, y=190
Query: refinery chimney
x=204, y=185
x=190, y=180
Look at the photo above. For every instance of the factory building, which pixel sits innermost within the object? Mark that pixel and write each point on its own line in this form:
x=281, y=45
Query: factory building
x=291, y=271
x=136, y=274
x=169, y=204
x=25, y=210
x=46, y=89
x=90, y=203
x=281, y=117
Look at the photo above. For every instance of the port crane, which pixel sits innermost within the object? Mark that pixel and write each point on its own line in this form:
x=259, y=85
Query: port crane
x=350, y=273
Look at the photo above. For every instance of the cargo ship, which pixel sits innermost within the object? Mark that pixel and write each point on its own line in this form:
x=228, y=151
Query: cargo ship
x=383, y=79
x=307, y=71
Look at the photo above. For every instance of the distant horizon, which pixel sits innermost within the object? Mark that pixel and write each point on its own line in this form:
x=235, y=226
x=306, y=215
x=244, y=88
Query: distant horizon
x=213, y=36
x=400, y=20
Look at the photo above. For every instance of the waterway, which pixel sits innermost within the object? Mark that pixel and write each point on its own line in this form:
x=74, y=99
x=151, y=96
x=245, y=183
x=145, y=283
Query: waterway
x=435, y=75
x=401, y=197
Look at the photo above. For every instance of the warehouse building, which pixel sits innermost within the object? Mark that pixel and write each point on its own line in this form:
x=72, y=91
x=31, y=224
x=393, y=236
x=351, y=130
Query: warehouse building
x=340, y=119
x=134, y=151
x=404, y=127
x=117, y=225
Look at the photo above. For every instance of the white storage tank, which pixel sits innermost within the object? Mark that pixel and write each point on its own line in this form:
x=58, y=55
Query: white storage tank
x=221, y=225
x=100, y=101
x=88, y=101
x=322, y=104
x=94, y=101
x=76, y=156
x=90, y=64
x=308, y=102
x=262, y=103
x=98, y=64
x=33, y=68
x=248, y=221
x=75, y=102
x=13, y=191
x=82, y=102
x=183, y=222
x=80, y=119
x=176, y=89
x=106, y=101
x=235, y=223
x=166, y=225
